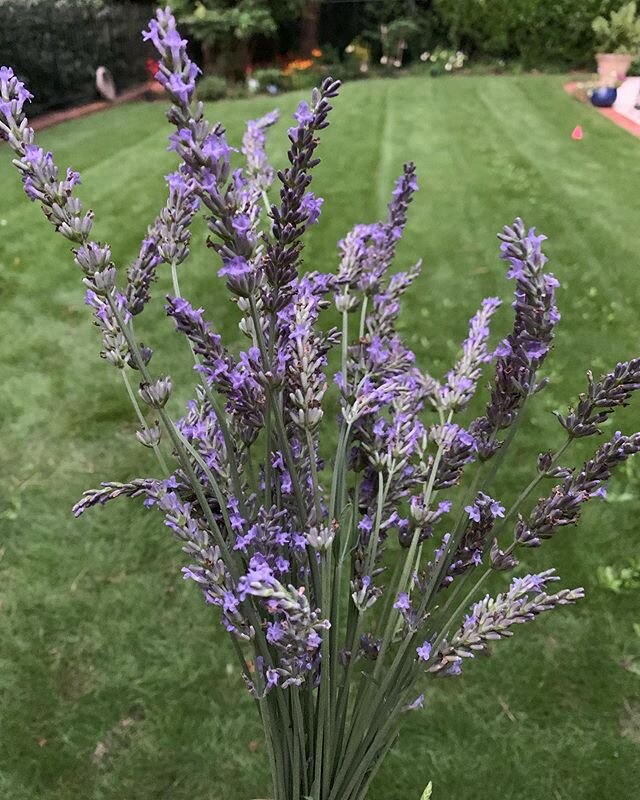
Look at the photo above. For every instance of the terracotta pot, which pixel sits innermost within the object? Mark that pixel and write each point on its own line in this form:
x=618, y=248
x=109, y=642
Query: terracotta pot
x=613, y=66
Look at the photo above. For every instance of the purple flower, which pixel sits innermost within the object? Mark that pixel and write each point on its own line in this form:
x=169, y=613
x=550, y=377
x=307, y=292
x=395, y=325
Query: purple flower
x=402, y=602
x=303, y=115
x=424, y=651
x=177, y=73
x=491, y=619
x=563, y=505
x=240, y=275
x=417, y=704
x=612, y=391
x=310, y=207
x=496, y=509
x=241, y=224
x=525, y=349
x=473, y=512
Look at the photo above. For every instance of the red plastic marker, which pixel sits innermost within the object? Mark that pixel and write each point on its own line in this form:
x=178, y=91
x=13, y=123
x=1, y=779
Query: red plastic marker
x=577, y=133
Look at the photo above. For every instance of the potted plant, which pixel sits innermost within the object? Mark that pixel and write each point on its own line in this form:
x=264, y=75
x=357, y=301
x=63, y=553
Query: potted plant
x=619, y=40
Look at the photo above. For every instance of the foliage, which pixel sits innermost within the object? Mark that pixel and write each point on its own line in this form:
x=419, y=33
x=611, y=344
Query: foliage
x=537, y=32
x=388, y=23
x=300, y=74
x=57, y=46
x=620, y=579
x=359, y=52
x=444, y=60
x=269, y=79
x=212, y=87
x=620, y=33
x=402, y=30
x=217, y=22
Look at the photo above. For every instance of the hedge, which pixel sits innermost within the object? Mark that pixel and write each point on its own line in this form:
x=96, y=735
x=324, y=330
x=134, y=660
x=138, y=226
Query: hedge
x=57, y=45
x=538, y=33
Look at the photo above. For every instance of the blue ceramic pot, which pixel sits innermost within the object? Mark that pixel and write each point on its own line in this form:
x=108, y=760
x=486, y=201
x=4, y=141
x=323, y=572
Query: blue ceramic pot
x=604, y=96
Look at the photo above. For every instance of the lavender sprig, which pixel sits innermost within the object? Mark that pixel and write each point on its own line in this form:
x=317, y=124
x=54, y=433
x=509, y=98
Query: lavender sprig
x=167, y=240
x=462, y=380
x=562, y=507
x=602, y=397
x=523, y=352
x=258, y=172
x=492, y=619
x=298, y=208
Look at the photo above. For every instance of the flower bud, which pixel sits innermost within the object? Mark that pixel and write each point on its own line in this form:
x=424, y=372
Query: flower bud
x=156, y=394
x=150, y=436
x=101, y=282
x=145, y=354
x=500, y=560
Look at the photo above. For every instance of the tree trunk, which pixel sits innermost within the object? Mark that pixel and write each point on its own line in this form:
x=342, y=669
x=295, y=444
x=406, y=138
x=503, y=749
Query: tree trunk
x=209, y=59
x=309, y=24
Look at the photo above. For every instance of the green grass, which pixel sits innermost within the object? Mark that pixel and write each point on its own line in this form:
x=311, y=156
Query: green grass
x=115, y=680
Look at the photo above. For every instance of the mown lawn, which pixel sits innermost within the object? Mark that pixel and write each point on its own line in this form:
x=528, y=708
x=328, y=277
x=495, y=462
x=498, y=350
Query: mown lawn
x=115, y=680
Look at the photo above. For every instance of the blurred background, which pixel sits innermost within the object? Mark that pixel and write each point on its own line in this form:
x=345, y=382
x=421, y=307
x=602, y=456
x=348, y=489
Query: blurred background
x=276, y=45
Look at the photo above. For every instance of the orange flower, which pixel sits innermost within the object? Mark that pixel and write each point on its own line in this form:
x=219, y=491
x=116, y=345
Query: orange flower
x=316, y=52
x=297, y=65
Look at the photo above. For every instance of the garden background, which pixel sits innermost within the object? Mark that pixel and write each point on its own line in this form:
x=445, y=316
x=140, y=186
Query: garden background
x=115, y=679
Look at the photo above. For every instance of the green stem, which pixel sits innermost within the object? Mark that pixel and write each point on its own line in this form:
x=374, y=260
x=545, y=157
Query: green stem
x=363, y=316
x=299, y=728
x=143, y=422
x=409, y=565
x=531, y=486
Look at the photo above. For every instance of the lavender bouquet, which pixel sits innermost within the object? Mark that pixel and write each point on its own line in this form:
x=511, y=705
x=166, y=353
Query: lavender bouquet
x=345, y=588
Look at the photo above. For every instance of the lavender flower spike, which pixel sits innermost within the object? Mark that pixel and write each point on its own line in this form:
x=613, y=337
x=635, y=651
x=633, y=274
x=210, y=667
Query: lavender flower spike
x=522, y=353
x=177, y=73
x=462, y=380
x=562, y=507
x=258, y=172
x=295, y=212
x=167, y=240
x=612, y=391
x=492, y=619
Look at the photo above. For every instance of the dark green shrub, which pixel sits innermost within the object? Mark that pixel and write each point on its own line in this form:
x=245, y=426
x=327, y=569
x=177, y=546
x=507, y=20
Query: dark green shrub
x=57, y=45
x=634, y=69
x=299, y=79
x=537, y=32
x=212, y=87
x=270, y=76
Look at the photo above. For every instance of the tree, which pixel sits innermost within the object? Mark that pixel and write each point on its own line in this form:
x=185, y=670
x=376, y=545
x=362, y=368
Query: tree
x=226, y=28
x=309, y=23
